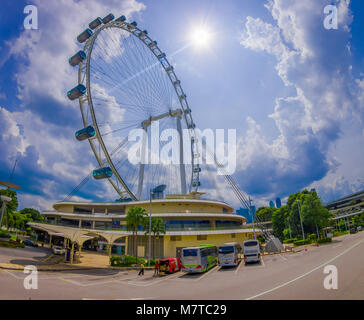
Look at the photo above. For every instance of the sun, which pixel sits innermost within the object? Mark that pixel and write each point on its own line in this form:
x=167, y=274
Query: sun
x=201, y=37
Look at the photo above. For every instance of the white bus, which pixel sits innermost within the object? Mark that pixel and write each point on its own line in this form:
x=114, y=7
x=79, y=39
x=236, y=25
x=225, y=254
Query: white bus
x=251, y=250
x=229, y=254
x=199, y=259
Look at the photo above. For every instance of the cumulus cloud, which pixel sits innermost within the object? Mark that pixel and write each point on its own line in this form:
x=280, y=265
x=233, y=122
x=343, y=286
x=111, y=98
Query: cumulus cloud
x=317, y=64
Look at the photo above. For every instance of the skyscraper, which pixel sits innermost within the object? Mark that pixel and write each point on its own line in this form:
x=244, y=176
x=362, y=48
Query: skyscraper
x=278, y=202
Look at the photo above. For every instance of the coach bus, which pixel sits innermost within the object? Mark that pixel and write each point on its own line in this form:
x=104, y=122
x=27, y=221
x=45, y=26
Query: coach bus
x=199, y=259
x=229, y=254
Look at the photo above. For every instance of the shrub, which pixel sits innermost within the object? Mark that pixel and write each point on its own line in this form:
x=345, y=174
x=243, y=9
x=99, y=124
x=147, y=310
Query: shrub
x=301, y=242
x=11, y=244
x=312, y=237
x=117, y=261
x=324, y=240
x=291, y=240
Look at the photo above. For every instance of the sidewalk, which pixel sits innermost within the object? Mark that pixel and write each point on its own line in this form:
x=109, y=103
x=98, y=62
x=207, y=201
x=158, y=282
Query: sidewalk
x=89, y=261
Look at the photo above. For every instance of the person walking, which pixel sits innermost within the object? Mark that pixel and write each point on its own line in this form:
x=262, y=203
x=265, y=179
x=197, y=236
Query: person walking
x=141, y=272
x=156, y=268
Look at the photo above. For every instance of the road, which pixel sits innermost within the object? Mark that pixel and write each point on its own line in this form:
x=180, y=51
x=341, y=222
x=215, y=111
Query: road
x=284, y=276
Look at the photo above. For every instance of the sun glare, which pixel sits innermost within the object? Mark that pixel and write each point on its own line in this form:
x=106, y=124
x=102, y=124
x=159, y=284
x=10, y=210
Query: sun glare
x=201, y=38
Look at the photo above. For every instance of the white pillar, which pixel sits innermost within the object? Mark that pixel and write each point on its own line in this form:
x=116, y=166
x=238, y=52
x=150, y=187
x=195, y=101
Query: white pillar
x=181, y=164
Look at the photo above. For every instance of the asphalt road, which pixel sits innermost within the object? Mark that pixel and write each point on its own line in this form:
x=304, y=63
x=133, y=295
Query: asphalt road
x=284, y=276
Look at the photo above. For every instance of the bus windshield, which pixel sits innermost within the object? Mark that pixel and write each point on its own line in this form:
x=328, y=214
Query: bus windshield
x=251, y=243
x=190, y=252
x=228, y=249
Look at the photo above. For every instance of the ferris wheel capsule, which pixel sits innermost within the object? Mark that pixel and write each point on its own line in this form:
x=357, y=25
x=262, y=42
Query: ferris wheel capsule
x=82, y=37
x=121, y=19
x=77, y=58
x=102, y=173
x=108, y=18
x=85, y=133
x=152, y=44
x=76, y=92
x=95, y=23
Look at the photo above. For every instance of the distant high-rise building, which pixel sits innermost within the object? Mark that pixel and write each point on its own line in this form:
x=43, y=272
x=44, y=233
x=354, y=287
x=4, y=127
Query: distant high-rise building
x=278, y=203
x=271, y=204
x=245, y=213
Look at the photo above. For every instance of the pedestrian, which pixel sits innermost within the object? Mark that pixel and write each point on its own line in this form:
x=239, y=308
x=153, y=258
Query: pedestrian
x=141, y=272
x=156, y=268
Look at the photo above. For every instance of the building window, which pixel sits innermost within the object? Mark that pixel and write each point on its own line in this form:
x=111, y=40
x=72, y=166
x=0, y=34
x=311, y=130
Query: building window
x=201, y=237
x=176, y=238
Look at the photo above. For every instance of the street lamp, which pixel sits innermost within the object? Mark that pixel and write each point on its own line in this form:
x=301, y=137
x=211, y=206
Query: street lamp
x=299, y=212
x=4, y=200
x=150, y=226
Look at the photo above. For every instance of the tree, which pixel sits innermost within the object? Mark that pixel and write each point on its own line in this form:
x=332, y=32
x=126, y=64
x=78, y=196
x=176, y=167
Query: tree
x=34, y=214
x=11, y=206
x=356, y=220
x=157, y=228
x=314, y=215
x=279, y=218
x=135, y=217
x=265, y=213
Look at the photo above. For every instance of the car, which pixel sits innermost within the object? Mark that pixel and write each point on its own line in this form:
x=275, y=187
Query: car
x=359, y=228
x=30, y=243
x=353, y=230
x=58, y=250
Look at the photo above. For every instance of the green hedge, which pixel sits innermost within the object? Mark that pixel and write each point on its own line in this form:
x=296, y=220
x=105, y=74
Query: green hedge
x=291, y=240
x=11, y=244
x=324, y=240
x=301, y=242
x=117, y=261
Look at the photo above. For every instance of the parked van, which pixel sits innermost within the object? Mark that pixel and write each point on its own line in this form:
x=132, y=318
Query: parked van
x=251, y=251
x=229, y=254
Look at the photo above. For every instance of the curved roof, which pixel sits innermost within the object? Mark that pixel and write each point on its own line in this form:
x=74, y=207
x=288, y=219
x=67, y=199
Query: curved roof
x=135, y=203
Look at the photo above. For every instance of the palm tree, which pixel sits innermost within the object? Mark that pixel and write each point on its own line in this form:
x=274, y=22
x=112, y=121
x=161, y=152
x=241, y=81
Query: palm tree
x=135, y=217
x=157, y=228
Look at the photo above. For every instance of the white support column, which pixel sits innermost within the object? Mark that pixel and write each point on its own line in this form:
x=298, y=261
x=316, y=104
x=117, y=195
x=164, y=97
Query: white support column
x=142, y=163
x=181, y=165
x=80, y=223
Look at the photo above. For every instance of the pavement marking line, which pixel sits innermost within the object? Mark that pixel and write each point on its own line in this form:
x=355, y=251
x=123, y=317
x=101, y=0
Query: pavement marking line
x=51, y=255
x=339, y=245
x=238, y=268
x=284, y=258
x=208, y=272
x=307, y=273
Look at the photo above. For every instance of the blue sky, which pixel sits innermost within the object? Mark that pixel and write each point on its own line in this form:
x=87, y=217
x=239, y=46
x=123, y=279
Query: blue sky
x=293, y=90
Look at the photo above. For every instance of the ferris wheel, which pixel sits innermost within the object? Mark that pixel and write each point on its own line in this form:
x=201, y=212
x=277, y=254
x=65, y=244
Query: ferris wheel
x=125, y=82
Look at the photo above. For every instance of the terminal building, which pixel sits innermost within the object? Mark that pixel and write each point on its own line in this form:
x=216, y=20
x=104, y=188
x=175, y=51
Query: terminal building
x=189, y=221
x=347, y=207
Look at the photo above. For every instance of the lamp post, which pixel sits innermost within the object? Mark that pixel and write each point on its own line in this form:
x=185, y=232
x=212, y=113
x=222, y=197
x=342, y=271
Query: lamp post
x=150, y=226
x=299, y=212
x=4, y=199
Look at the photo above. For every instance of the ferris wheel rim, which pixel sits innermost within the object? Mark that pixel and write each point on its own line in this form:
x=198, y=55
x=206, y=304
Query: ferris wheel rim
x=84, y=78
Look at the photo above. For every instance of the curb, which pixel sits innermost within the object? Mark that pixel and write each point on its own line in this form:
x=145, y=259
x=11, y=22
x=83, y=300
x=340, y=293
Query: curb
x=76, y=268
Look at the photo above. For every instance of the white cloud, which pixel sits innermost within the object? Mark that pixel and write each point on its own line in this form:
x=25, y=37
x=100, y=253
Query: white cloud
x=316, y=63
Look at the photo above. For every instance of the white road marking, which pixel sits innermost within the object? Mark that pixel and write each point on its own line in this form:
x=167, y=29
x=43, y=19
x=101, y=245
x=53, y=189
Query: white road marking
x=238, y=268
x=339, y=245
x=307, y=273
x=214, y=269
x=284, y=258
